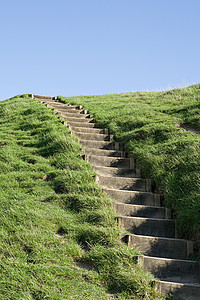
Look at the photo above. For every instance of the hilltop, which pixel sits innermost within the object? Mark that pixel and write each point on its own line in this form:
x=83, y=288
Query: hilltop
x=59, y=238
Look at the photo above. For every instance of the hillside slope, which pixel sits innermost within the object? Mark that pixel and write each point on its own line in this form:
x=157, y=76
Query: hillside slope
x=158, y=129
x=59, y=238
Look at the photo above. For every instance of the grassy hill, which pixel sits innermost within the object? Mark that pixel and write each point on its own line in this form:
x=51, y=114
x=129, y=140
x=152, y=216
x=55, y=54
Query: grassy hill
x=152, y=126
x=58, y=235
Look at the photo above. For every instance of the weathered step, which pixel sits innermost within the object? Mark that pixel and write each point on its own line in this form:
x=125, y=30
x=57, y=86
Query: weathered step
x=48, y=101
x=60, y=105
x=111, y=171
x=179, y=291
x=102, y=152
x=174, y=270
x=134, y=210
x=73, y=114
x=98, y=144
x=109, y=161
x=87, y=130
x=93, y=136
x=43, y=98
x=57, y=104
x=133, y=197
x=148, y=226
x=159, y=246
x=123, y=183
x=78, y=120
x=81, y=124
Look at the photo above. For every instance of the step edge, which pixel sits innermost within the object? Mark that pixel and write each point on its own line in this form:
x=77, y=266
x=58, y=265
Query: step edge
x=118, y=177
x=154, y=237
x=180, y=283
x=169, y=259
x=96, y=142
x=157, y=219
x=147, y=206
x=129, y=191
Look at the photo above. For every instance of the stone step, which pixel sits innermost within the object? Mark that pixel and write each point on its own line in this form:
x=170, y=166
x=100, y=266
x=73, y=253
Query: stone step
x=73, y=114
x=98, y=144
x=43, y=98
x=78, y=120
x=122, y=183
x=111, y=171
x=47, y=101
x=93, y=136
x=160, y=247
x=76, y=130
x=148, y=226
x=133, y=197
x=172, y=270
x=134, y=210
x=102, y=152
x=59, y=105
x=107, y=161
x=178, y=290
x=81, y=124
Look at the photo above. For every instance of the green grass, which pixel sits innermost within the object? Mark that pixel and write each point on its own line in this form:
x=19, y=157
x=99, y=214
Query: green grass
x=149, y=124
x=58, y=235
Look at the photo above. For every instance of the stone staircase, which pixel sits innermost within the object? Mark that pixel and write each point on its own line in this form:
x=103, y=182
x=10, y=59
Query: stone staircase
x=151, y=229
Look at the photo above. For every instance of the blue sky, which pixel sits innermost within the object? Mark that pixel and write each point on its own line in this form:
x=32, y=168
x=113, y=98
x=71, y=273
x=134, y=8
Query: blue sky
x=84, y=47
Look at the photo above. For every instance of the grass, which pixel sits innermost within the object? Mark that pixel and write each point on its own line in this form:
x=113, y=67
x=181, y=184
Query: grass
x=58, y=235
x=151, y=125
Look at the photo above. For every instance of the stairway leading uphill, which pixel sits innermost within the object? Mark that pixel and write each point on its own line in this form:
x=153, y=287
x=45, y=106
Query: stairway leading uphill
x=151, y=229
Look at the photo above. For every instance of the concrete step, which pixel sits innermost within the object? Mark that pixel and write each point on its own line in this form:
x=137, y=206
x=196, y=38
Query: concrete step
x=73, y=114
x=178, y=291
x=81, y=124
x=111, y=171
x=123, y=183
x=44, y=98
x=133, y=197
x=148, y=226
x=47, y=101
x=106, y=161
x=173, y=270
x=93, y=136
x=59, y=105
x=78, y=120
x=134, y=210
x=160, y=247
x=76, y=130
x=98, y=144
x=102, y=152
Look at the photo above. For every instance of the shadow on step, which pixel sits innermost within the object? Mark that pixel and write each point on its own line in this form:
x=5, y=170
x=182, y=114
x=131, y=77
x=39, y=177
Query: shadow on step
x=142, y=211
x=178, y=290
x=172, y=270
x=160, y=246
x=148, y=226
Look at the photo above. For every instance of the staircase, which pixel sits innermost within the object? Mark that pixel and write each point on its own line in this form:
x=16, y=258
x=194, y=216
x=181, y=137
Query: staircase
x=151, y=229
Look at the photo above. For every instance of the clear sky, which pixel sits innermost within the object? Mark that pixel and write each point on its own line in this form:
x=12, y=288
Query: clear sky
x=84, y=47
